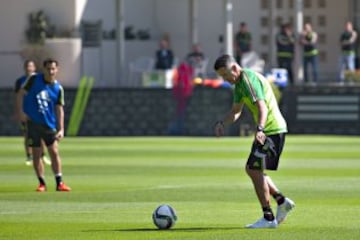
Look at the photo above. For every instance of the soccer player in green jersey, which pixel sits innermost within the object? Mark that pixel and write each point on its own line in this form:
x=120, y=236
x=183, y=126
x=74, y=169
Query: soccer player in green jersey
x=253, y=90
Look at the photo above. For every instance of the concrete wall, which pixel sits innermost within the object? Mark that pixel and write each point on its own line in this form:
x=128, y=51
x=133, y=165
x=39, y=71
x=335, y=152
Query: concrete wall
x=68, y=51
x=159, y=16
x=65, y=14
x=14, y=18
x=336, y=16
x=164, y=16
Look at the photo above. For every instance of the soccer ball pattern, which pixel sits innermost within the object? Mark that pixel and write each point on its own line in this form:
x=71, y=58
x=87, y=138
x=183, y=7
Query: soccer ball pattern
x=164, y=217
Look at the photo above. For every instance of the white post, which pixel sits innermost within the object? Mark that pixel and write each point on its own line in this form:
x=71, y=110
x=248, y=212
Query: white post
x=228, y=8
x=272, y=34
x=298, y=66
x=194, y=29
x=120, y=42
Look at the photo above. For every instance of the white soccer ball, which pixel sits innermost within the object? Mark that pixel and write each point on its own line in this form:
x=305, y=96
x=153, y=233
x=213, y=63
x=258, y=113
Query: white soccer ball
x=164, y=217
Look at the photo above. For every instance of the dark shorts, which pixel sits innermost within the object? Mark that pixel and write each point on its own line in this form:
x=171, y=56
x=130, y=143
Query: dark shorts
x=37, y=132
x=266, y=156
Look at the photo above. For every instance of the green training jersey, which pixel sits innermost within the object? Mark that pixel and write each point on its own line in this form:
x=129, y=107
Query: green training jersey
x=253, y=87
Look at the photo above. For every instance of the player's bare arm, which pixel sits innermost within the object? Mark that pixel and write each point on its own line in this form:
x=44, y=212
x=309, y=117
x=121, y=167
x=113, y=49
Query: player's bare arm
x=263, y=112
x=20, y=115
x=231, y=117
x=60, y=121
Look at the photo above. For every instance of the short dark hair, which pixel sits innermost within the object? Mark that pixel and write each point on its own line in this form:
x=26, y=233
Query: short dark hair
x=223, y=61
x=285, y=25
x=27, y=61
x=50, y=61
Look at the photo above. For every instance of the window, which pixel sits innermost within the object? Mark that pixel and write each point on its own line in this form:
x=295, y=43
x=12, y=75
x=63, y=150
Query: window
x=291, y=4
x=291, y=21
x=307, y=19
x=264, y=39
x=264, y=4
x=279, y=4
x=323, y=56
x=279, y=21
x=322, y=3
x=322, y=21
x=307, y=3
x=264, y=21
x=265, y=56
x=322, y=38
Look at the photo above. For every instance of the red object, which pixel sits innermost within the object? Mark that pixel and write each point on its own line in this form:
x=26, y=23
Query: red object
x=214, y=83
x=183, y=81
x=183, y=87
x=41, y=188
x=63, y=188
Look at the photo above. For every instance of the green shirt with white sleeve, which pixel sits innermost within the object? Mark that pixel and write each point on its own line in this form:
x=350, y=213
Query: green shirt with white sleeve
x=253, y=87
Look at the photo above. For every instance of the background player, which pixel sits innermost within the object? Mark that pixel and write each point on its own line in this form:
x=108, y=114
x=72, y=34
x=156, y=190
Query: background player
x=44, y=114
x=29, y=69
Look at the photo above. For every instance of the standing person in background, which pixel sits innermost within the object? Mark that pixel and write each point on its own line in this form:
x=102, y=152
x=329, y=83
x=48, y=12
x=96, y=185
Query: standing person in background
x=285, y=42
x=196, y=58
x=309, y=40
x=30, y=70
x=253, y=90
x=44, y=115
x=164, y=59
x=347, y=41
x=242, y=41
x=182, y=91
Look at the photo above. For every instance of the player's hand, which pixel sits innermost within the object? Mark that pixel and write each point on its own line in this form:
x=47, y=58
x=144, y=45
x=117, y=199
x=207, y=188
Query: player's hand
x=260, y=137
x=20, y=117
x=59, y=135
x=219, y=129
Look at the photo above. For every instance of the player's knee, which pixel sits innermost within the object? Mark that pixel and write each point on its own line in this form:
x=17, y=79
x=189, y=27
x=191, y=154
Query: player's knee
x=53, y=150
x=251, y=172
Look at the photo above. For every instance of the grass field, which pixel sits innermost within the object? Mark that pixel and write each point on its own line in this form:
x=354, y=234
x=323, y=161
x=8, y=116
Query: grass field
x=118, y=182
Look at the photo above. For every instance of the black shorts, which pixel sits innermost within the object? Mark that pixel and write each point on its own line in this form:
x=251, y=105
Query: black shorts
x=37, y=132
x=266, y=156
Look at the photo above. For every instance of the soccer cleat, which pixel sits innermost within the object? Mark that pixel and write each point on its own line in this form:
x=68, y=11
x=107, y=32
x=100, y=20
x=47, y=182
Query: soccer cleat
x=28, y=161
x=46, y=160
x=41, y=188
x=63, y=188
x=263, y=223
x=284, y=209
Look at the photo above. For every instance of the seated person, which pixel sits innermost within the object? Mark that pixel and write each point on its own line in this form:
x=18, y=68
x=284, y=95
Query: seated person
x=164, y=56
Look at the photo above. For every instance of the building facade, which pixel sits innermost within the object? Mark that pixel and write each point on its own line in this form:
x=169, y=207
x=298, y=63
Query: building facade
x=158, y=18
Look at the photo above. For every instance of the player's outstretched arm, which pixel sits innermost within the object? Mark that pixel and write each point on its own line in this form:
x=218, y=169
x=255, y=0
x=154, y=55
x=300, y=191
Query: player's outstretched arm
x=231, y=117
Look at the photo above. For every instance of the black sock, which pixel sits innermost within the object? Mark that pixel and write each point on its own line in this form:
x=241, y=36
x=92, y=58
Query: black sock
x=279, y=197
x=58, y=179
x=41, y=180
x=268, y=213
